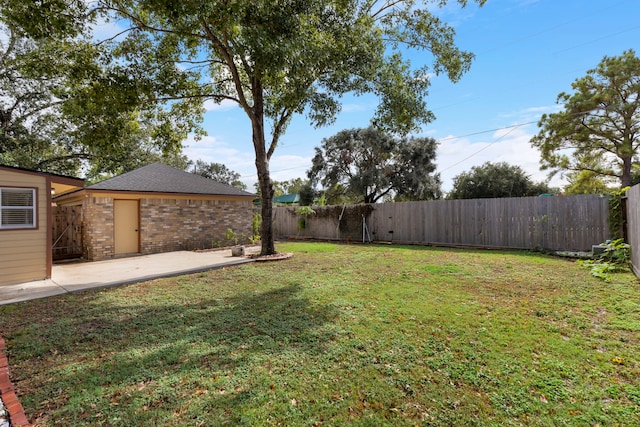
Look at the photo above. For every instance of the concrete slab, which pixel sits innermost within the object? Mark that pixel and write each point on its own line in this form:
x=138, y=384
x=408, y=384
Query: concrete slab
x=29, y=290
x=78, y=276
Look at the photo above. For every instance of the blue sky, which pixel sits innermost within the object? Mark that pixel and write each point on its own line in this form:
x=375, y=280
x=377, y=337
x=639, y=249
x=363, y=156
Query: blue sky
x=527, y=52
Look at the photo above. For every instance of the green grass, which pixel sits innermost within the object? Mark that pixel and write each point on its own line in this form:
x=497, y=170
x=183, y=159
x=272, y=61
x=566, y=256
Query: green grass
x=340, y=334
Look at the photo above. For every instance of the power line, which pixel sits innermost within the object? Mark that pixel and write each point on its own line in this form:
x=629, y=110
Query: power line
x=512, y=128
x=597, y=39
x=449, y=138
x=280, y=170
x=485, y=147
x=560, y=26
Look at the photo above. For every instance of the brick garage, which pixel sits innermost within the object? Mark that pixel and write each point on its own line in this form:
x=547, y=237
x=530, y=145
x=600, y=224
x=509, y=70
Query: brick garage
x=159, y=209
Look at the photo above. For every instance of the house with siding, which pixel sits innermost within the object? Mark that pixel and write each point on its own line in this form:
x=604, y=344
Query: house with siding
x=157, y=208
x=25, y=222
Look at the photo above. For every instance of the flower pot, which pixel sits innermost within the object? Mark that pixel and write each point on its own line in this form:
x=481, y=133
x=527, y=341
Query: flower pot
x=237, y=251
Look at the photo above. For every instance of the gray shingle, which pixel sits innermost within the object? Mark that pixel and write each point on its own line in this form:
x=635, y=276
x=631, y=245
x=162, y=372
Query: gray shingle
x=159, y=178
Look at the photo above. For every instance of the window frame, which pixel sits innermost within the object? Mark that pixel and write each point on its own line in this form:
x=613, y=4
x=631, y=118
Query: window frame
x=33, y=207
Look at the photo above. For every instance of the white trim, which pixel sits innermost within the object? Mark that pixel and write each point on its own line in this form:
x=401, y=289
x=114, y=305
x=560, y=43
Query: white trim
x=32, y=208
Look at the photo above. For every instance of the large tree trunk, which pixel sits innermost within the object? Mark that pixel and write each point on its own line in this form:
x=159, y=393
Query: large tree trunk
x=625, y=179
x=266, y=189
x=262, y=167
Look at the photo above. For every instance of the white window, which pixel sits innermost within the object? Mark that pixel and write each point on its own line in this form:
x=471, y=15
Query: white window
x=17, y=208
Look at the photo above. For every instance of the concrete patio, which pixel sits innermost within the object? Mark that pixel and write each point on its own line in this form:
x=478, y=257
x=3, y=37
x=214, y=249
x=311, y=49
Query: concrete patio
x=77, y=276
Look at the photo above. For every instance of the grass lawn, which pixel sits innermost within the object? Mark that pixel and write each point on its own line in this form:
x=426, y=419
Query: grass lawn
x=337, y=335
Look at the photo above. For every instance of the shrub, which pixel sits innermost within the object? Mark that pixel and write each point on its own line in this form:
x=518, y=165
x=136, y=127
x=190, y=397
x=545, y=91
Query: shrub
x=615, y=258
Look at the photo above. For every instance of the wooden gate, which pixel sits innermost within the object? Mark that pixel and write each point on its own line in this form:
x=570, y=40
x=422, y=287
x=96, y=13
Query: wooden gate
x=67, y=232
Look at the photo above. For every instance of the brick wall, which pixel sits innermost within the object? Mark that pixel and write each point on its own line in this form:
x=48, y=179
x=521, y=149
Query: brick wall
x=97, y=229
x=167, y=225
x=171, y=225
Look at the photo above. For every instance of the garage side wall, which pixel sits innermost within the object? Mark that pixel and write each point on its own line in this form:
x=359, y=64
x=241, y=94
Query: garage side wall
x=182, y=224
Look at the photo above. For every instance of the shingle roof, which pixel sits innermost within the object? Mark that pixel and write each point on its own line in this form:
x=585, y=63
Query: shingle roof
x=159, y=178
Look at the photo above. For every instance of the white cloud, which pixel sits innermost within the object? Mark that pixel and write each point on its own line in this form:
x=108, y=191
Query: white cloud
x=506, y=145
x=289, y=166
x=4, y=36
x=354, y=108
x=452, y=13
x=103, y=29
x=282, y=168
x=211, y=149
x=226, y=104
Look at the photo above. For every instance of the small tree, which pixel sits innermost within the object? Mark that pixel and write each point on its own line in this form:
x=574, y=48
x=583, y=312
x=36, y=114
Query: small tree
x=587, y=182
x=493, y=180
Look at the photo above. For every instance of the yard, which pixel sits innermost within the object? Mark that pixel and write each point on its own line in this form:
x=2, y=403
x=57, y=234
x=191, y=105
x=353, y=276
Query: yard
x=340, y=334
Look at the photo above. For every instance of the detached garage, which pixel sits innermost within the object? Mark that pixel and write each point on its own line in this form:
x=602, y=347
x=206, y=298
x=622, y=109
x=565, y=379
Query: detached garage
x=158, y=208
x=25, y=222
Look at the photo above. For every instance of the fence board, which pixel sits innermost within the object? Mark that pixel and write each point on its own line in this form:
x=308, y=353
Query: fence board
x=67, y=232
x=633, y=226
x=572, y=223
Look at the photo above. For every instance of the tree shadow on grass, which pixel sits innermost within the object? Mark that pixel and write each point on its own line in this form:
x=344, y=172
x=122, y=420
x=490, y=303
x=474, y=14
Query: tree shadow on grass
x=145, y=362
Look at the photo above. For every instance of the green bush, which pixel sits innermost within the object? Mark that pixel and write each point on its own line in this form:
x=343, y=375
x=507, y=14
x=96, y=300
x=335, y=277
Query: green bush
x=256, y=224
x=303, y=211
x=615, y=258
x=616, y=212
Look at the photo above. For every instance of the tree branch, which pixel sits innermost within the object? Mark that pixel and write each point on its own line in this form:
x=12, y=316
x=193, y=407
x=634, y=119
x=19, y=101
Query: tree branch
x=49, y=160
x=101, y=42
x=140, y=24
x=389, y=4
x=285, y=116
x=381, y=195
x=201, y=96
x=230, y=64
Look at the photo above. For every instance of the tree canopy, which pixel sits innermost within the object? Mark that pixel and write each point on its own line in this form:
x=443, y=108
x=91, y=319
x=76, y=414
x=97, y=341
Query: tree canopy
x=274, y=59
x=217, y=172
x=64, y=106
x=373, y=165
x=494, y=180
x=30, y=117
x=598, y=131
x=587, y=182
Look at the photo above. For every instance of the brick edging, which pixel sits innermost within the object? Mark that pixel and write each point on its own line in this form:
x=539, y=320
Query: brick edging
x=7, y=392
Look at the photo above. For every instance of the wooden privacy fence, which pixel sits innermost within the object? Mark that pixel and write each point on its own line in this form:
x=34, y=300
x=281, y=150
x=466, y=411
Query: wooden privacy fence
x=67, y=232
x=567, y=223
x=633, y=226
